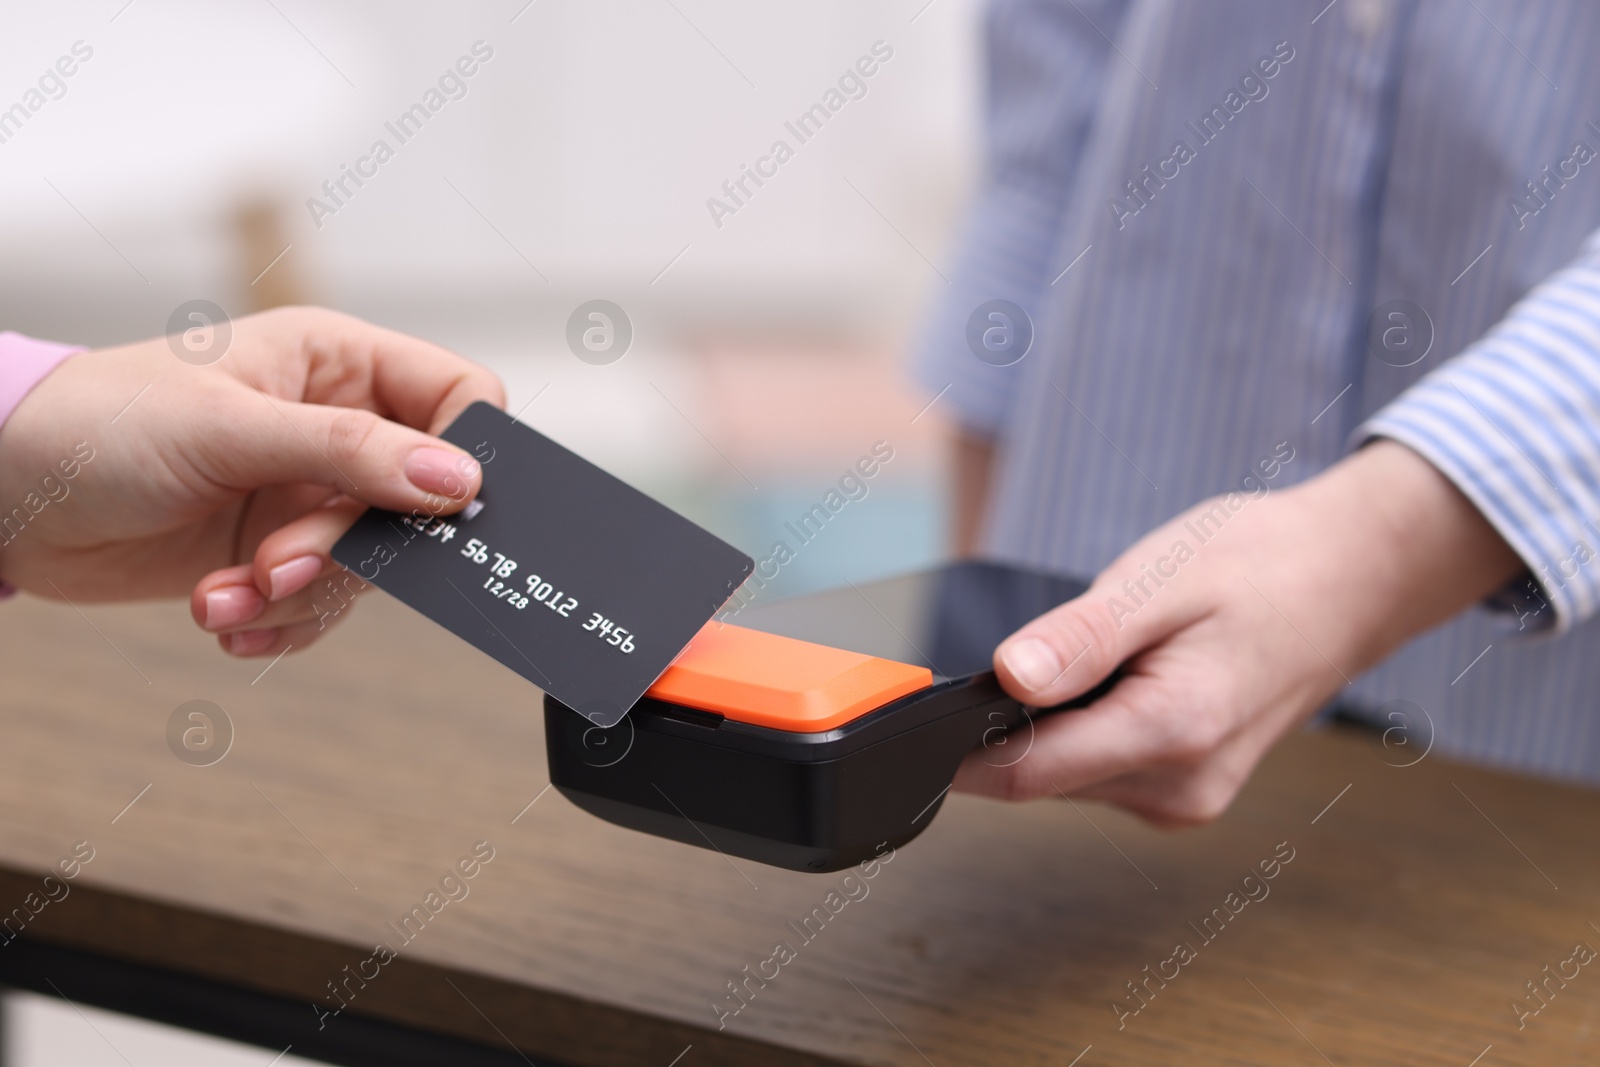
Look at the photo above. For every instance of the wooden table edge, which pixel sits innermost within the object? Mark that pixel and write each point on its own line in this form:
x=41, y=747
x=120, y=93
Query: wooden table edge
x=415, y=994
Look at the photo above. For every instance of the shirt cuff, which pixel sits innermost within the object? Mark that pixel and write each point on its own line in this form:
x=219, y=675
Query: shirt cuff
x=1514, y=422
x=24, y=362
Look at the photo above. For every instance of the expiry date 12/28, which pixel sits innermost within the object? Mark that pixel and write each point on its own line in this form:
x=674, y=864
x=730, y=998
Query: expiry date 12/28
x=501, y=585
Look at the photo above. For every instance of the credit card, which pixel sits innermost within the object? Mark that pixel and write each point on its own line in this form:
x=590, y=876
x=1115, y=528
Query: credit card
x=567, y=575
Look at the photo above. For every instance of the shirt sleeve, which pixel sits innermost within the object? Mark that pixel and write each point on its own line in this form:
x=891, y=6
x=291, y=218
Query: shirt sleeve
x=1046, y=61
x=1514, y=422
x=24, y=362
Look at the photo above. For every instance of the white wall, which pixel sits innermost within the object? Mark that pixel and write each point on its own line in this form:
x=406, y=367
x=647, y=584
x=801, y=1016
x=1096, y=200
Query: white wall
x=590, y=144
x=591, y=140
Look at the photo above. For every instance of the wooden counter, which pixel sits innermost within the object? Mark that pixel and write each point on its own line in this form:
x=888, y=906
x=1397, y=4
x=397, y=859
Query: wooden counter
x=1399, y=933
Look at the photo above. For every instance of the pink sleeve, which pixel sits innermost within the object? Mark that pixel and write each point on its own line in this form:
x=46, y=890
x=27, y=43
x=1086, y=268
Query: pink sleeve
x=23, y=364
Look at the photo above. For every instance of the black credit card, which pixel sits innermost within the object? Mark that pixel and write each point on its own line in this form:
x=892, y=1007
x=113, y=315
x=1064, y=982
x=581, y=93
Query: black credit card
x=571, y=577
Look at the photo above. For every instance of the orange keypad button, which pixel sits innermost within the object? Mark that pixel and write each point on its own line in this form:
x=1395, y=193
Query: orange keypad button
x=780, y=682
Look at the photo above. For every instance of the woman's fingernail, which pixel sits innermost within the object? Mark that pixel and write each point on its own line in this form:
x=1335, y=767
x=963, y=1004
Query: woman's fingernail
x=438, y=470
x=251, y=642
x=293, y=576
x=1031, y=662
x=232, y=605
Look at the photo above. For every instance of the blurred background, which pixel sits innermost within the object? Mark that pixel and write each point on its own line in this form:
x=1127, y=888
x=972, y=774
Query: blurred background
x=575, y=164
x=768, y=350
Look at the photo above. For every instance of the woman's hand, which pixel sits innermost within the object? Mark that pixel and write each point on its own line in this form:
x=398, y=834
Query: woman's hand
x=1261, y=616
x=128, y=473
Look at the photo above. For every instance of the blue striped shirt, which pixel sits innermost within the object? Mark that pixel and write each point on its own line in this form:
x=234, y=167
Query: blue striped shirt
x=1246, y=223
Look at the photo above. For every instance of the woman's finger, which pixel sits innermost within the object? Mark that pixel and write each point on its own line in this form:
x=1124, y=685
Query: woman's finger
x=298, y=553
x=272, y=641
x=291, y=579
x=226, y=599
x=248, y=440
x=350, y=363
x=329, y=593
x=271, y=508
